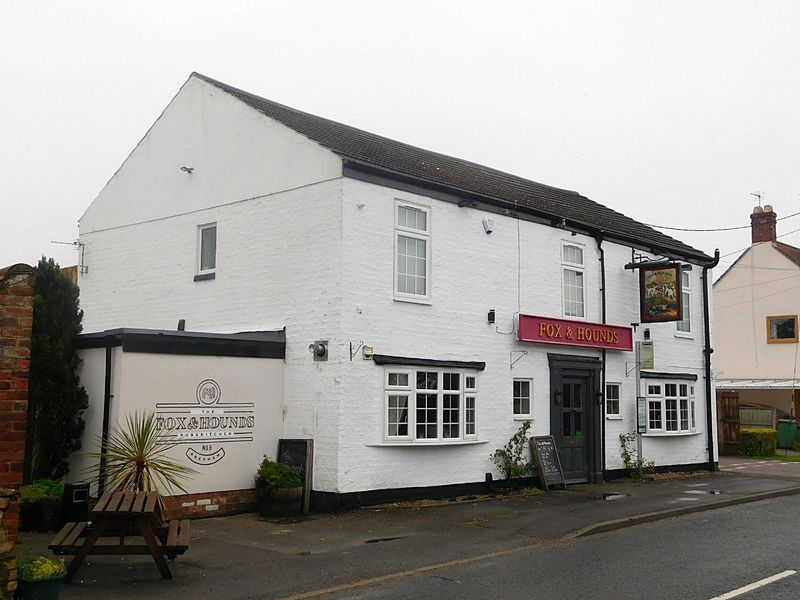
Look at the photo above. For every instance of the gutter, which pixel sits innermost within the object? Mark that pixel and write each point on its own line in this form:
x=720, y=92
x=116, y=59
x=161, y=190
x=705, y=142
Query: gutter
x=707, y=352
x=598, y=238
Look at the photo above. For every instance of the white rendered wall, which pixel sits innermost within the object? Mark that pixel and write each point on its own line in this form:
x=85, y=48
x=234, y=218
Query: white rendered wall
x=236, y=153
x=473, y=272
x=277, y=265
x=166, y=384
x=762, y=283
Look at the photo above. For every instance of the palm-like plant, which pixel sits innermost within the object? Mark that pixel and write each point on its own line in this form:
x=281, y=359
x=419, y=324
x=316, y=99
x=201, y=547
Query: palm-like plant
x=134, y=458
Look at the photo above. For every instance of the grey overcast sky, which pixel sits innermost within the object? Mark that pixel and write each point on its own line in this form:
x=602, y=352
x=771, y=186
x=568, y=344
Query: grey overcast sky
x=670, y=112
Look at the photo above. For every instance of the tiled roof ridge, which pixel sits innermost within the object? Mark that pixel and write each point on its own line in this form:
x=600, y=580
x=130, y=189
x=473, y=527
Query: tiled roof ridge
x=789, y=251
x=372, y=150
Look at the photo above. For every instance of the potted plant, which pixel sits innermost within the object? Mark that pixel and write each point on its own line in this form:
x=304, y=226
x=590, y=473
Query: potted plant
x=135, y=458
x=279, y=489
x=40, y=578
x=40, y=505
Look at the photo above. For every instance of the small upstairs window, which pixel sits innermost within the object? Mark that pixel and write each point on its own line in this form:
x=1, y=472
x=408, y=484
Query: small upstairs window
x=572, y=280
x=412, y=259
x=206, y=251
x=782, y=329
x=685, y=324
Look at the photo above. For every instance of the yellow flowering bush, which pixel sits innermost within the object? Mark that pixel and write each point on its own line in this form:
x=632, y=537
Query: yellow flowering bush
x=41, y=567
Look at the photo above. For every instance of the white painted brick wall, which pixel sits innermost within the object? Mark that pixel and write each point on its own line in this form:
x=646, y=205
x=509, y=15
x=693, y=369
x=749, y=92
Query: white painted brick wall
x=311, y=260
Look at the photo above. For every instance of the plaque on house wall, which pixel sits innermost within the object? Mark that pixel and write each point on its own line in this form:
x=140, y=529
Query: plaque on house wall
x=545, y=455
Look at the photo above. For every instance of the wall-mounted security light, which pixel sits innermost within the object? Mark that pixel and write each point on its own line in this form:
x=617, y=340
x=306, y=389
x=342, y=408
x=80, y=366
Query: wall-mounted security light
x=368, y=352
x=490, y=316
x=488, y=225
x=320, y=350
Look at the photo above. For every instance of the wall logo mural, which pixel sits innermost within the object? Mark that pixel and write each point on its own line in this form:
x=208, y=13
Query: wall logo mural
x=207, y=425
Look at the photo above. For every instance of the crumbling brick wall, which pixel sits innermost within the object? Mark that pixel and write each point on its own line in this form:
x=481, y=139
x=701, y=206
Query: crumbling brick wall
x=16, y=321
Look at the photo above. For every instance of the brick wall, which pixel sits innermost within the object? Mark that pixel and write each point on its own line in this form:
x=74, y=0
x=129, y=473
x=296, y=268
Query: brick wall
x=210, y=504
x=16, y=320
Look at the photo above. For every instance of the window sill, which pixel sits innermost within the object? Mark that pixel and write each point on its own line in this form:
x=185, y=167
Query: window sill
x=686, y=335
x=614, y=417
x=434, y=444
x=655, y=434
x=523, y=418
x=413, y=300
x=205, y=276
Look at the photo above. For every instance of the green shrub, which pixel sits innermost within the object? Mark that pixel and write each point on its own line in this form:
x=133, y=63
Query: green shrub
x=758, y=442
x=511, y=459
x=276, y=475
x=41, y=567
x=40, y=505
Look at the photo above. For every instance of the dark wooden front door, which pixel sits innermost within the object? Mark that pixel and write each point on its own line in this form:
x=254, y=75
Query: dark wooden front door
x=571, y=437
x=728, y=409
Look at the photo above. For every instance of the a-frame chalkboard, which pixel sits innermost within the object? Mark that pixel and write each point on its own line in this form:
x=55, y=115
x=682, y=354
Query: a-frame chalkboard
x=545, y=454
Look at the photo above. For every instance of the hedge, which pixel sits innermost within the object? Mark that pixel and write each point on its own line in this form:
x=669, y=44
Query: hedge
x=758, y=442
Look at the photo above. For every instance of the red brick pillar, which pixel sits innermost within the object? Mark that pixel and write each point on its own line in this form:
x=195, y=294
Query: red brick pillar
x=16, y=321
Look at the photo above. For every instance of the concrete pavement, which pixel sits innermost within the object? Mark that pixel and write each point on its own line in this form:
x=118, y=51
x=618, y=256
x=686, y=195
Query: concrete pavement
x=247, y=557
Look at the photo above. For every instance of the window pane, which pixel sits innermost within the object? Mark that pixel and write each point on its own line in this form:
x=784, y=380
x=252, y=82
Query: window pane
x=573, y=254
x=208, y=248
x=672, y=414
x=573, y=293
x=684, y=414
x=469, y=416
x=398, y=415
x=783, y=328
x=412, y=218
x=522, y=397
x=685, y=279
x=427, y=380
x=612, y=399
x=654, y=415
x=670, y=389
x=426, y=416
x=654, y=390
x=411, y=265
x=398, y=379
x=684, y=389
x=450, y=415
x=685, y=324
x=450, y=381
x=469, y=383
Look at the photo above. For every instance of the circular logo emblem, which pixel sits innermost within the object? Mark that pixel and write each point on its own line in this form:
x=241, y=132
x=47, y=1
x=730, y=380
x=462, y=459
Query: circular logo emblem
x=208, y=392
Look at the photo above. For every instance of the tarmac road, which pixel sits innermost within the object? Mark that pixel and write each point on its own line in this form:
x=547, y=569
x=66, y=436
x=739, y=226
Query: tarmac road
x=700, y=557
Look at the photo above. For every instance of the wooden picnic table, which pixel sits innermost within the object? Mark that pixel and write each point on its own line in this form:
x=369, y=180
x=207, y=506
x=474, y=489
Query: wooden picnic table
x=124, y=514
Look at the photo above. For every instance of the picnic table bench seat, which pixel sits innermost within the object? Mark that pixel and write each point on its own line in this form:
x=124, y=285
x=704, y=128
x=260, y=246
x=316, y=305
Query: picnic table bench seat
x=121, y=515
x=174, y=538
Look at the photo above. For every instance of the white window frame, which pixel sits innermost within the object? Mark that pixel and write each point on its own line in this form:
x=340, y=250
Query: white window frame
x=661, y=399
x=522, y=416
x=413, y=233
x=618, y=413
x=410, y=390
x=199, y=250
x=573, y=267
x=683, y=328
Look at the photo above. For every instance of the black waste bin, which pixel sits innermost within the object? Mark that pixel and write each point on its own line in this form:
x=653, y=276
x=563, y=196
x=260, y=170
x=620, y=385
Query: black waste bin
x=75, y=502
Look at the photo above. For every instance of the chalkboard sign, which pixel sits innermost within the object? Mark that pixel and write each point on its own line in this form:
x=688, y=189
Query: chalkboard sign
x=300, y=454
x=545, y=454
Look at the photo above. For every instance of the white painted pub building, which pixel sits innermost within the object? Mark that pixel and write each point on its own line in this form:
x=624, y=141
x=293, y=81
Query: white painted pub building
x=404, y=309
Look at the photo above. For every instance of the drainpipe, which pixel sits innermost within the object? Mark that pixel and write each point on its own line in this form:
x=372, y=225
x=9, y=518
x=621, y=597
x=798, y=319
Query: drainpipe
x=106, y=415
x=707, y=352
x=598, y=238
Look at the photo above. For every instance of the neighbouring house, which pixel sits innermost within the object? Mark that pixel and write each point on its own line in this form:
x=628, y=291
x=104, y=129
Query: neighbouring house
x=756, y=306
x=403, y=309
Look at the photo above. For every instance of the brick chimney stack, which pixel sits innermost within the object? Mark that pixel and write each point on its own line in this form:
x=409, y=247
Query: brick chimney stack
x=762, y=224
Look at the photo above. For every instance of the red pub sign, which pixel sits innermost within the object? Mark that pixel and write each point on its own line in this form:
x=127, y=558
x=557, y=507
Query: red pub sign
x=546, y=330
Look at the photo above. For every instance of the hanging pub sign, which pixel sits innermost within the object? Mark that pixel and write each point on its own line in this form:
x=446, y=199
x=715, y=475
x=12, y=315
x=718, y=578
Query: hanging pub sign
x=660, y=293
